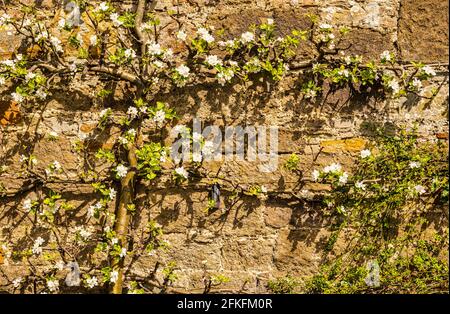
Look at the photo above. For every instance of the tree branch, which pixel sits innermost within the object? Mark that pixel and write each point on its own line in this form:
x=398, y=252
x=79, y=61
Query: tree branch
x=139, y=17
x=117, y=73
x=122, y=217
x=121, y=74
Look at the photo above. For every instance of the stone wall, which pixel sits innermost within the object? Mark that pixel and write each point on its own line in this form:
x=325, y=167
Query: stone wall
x=252, y=240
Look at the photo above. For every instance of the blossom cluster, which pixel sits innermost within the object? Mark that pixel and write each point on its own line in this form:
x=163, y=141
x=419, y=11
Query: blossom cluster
x=333, y=172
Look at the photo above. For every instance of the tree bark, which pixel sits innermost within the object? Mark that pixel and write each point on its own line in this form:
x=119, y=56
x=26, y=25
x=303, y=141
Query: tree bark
x=122, y=218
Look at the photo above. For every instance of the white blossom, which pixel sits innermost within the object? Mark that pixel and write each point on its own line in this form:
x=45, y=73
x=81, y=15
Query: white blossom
x=92, y=282
x=2, y=80
x=146, y=27
x=130, y=53
x=18, y=98
x=247, y=37
x=159, y=117
x=315, y=175
x=84, y=234
x=254, y=62
x=163, y=156
x=79, y=37
x=208, y=148
x=228, y=43
x=41, y=94
x=385, y=56
x=56, y=165
x=197, y=157
x=205, y=35
x=224, y=76
x=414, y=164
x=53, y=285
x=115, y=19
x=103, y=6
x=420, y=189
x=121, y=171
x=323, y=37
x=56, y=42
x=112, y=193
x=4, y=19
x=9, y=63
x=73, y=67
x=93, y=40
x=23, y=158
x=6, y=253
x=132, y=112
x=344, y=72
x=343, y=178
x=37, y=249
x=341, y=209
x=82, y=136
x=180, y=171
x=123, y=252
x=181, y=129
x=360, y=185
x=27, y=204
x=310, y=93
x=114, y=276
x=181, y=35
x=394, y=85
x=168, y=54
x=104, y=112
x=348, y=59
x=93, y=208
x=416, y=83
x=213, y=60
x=16, y=282
x=42, y=35
x=53, y=134
x=334, y=167
x=91, y=211
x=29, y=76
x=154, y=49
x=159, y=64
x=428, y=70
x=131, y=132
x=183, y=70
x=325, y=26
x=365, y=153
x=270, y=21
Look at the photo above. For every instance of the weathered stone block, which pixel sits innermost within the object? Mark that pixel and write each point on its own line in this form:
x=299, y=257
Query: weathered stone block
x=423, y=30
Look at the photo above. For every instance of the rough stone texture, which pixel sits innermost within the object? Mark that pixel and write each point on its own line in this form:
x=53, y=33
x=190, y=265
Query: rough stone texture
x=252, y=240
x=422, y=22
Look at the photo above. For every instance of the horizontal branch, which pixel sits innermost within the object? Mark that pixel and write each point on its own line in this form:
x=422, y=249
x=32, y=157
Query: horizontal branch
x=117, y=73
x=121, y=74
